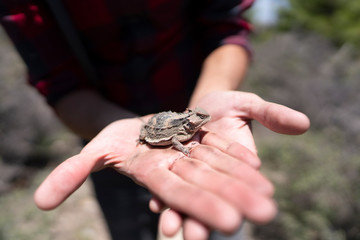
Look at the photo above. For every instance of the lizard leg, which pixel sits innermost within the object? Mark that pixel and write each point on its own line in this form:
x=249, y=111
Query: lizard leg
x=179, y=146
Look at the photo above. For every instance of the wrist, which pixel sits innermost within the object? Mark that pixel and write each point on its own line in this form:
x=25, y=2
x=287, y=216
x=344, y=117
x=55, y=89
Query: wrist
x=224, y=69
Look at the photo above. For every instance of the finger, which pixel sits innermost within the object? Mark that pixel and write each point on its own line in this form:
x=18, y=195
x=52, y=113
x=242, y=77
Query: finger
x=232, y=148
x=233, y=167
x=278, y=118
x=170, y=222
x=193, y=201
x=156, y=205
x=255, y=206
x=194, y=230
x=62, y=182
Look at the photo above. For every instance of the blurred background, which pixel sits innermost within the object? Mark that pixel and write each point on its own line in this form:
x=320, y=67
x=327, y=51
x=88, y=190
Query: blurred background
x=306, y=56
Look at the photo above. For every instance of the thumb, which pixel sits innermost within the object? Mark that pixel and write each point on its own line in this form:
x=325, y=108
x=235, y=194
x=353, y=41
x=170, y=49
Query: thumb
x=280, y=119
x=63, y=181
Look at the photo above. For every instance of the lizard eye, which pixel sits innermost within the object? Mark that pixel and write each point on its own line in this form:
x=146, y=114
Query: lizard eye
x=202, y=116
x=201, y=113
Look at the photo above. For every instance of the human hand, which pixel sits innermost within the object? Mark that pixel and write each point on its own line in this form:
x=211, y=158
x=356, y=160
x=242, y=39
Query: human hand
x=231, y=113
x=211, y=186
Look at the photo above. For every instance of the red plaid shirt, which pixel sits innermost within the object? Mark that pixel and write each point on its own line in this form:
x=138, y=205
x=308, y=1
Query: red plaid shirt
x=147, y=54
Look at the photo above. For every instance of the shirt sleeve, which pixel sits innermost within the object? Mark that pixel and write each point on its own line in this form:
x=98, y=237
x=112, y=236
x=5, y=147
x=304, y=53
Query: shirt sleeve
x=222, y=22
x=52, y=68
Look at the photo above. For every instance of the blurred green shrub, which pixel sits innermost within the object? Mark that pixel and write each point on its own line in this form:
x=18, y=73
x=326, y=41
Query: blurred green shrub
x=337, y=20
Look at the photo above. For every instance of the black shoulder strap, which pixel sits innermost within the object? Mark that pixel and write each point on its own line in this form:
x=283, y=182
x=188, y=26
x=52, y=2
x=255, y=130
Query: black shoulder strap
x=72, y=37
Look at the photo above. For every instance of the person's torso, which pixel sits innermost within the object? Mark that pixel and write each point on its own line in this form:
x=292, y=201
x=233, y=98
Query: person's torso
x=144, y=52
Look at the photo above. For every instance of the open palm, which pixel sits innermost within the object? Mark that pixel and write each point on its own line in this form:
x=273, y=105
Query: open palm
x=207, y=186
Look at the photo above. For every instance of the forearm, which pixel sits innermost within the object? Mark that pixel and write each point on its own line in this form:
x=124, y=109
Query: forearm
x=86, y=112
x=223, y=69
